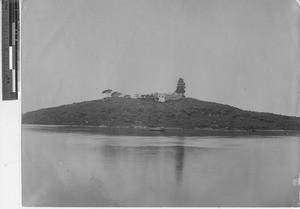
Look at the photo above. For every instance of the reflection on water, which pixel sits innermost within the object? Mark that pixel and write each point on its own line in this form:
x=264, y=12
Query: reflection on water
x=82, y=168
x=179, y=157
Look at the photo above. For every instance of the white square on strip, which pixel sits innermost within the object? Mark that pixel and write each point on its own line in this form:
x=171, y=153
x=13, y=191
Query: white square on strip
x=10, y=57
x=13, y=71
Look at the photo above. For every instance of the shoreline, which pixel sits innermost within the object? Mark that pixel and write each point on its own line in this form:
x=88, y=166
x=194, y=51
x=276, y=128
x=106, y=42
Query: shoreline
x=164, y=128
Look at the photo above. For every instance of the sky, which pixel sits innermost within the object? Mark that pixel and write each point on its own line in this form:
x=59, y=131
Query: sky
x=237, y=52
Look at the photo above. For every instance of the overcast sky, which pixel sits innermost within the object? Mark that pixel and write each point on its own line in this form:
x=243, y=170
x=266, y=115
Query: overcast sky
x=244, y=53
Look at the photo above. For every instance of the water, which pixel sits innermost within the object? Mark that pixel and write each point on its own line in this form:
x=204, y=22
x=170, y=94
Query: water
x=84, y=167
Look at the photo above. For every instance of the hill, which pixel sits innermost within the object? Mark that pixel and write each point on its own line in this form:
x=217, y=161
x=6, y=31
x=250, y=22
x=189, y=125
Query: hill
x=185, y=113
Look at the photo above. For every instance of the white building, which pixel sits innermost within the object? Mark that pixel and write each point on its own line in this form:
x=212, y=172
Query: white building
x=161, y=97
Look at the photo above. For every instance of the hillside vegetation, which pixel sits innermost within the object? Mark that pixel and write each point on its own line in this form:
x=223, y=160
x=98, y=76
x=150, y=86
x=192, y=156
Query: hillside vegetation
x=185, y=113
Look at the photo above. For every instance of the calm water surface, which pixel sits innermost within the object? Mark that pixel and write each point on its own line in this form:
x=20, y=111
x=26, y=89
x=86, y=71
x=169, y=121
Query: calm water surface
x=82, y=167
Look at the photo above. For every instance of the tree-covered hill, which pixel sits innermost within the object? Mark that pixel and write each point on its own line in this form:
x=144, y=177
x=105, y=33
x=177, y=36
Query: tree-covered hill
x=184, y=113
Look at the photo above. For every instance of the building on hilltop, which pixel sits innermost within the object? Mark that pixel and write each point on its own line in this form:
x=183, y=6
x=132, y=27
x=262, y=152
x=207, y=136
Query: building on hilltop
x=161, y=97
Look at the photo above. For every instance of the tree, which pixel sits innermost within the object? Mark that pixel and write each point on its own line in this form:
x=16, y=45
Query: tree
x=116, y=94
x=127, y=96
x=107, y=91
x=180, y=86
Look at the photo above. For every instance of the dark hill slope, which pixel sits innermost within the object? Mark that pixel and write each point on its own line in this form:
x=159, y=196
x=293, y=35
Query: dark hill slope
x=184, y=113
